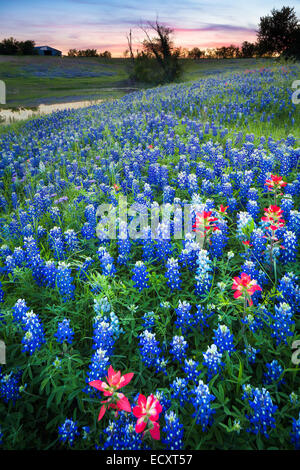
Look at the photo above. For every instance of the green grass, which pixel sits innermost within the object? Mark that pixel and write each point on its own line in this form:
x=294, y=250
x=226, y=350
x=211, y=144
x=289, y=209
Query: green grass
x=25, y=88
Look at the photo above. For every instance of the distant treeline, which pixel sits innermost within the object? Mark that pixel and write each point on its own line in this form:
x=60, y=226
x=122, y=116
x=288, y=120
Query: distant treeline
x=247, y=50
x=89, y=53
x=11, y=46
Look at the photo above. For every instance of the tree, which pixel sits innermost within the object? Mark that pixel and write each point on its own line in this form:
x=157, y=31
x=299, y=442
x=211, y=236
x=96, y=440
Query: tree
x=293, y=50
x=248, y=49
x=278, y=31
x=105, y=55
x=161, y=49
x=195, y=53
x=9, y=46
x=27, y=47
x=72, y=53
x=130, y=49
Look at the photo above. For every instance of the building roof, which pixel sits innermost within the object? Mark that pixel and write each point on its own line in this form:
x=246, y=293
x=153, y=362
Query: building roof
x=47, y=47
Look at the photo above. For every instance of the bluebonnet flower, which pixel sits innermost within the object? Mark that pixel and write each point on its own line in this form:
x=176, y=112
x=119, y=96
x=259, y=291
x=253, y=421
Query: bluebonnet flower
x=163, y=399
x=168, y=194
x=232, y=204
x=253, y=208
x=10, y=386
x=34, y=336
x=218, y=242
x=294, y=398
x=68, y=431
x=149, y=348
x=71, y=240
x=244, y=224
x=273, y=374
x=201, y=316
x=18, y=256
x=104, y=334
x=172, y=274
x=258, y=242
x=251, y=352
x=148, y=320
x=163, y=246
x=5, y=251
x=203, y=273
x=190, y=368
x=290, y=246
x=124, y=247
x=294, y=222
x=64, y=332
x=148, y=245
x=287, y=205
x=56, y=243
x=295, y=434
x=223, y=339
x=180, y=390
x=282, y=323
x=88, y=231
x=97, y=369
x=178, y=347
x=184, y=317
x=289, y=290
x=253, y=194
x=1, y=437
x=64, y=281
x=83, y=269
x=173, y=431
x=201, y=401
x=262, y=410
x=50, y=273
x=102, y=305
x=19, y=310
x=120, y=434
x=140, y=276
x=90, y=214
x=107, y=262
x=1, y=293
x=213, y=361
x=86, y=431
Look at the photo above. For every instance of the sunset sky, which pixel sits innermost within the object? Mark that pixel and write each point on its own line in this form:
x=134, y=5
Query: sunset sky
x=102, y=24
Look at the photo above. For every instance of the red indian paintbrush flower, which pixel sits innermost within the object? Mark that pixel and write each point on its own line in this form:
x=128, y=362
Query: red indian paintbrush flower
x=245, y=286
x=204, y=220
x=273, y=215
x=276, y=182
x=223, y=209
x=117, y=401
x=147, y=412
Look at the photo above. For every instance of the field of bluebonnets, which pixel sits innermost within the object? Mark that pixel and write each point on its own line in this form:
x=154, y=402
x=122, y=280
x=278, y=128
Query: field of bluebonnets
x=179, y=343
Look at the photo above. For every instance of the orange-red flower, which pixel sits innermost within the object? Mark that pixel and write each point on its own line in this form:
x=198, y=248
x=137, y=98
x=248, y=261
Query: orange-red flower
x=205, y=220
x=273, y=215
x=223, y=209
x=276, y=182
x=117, y=401
x=148, y=411
x=116, y=187
x=245, y=286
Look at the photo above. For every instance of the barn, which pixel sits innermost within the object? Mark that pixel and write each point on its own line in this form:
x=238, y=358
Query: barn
x=47, y=50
